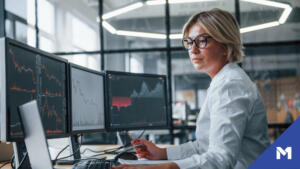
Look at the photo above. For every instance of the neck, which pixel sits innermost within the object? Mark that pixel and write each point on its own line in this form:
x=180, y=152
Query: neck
x=215, y=69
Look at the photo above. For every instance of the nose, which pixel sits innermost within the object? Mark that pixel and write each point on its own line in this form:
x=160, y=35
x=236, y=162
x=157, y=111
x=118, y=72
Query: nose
x=194, y=49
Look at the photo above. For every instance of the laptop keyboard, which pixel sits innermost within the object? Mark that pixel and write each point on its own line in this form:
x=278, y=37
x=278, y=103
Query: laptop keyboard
x=94, y=164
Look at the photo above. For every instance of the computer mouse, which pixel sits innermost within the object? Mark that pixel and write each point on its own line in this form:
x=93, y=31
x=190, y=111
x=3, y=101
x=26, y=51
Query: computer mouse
x=126, y=156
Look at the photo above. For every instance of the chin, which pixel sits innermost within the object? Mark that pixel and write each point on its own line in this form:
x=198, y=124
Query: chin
x=198, y=67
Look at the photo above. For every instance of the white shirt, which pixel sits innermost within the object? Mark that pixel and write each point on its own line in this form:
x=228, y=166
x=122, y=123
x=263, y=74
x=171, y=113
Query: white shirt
x=231, y=129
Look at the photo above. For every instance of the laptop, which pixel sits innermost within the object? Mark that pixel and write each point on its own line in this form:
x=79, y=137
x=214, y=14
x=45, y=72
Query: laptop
x=35, y=139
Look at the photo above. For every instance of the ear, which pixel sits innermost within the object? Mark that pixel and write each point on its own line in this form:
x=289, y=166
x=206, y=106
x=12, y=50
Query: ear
x=225, y=52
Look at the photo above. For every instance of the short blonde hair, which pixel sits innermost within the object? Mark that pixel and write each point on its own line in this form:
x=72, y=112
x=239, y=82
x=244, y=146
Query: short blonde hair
x=223, y=27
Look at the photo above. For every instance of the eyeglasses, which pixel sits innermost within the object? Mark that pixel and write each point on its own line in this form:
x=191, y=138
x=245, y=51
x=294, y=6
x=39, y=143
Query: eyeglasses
x=200, y=41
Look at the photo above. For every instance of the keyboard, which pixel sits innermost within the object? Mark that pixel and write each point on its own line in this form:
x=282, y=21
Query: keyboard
x=94, y=164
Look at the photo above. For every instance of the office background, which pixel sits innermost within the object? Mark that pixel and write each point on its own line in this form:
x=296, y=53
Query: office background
x=145, y=37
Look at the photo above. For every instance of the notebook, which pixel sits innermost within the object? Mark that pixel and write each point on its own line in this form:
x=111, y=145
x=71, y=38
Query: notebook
x=6, y=152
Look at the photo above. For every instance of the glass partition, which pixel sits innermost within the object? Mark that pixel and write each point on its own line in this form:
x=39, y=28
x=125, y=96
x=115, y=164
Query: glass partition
x=68, y=25
x=137, y=62
x=271, y=21
x=133, y=24
x=20, y=20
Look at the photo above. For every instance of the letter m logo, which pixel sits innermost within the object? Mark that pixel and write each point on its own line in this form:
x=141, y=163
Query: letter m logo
x=287, y=151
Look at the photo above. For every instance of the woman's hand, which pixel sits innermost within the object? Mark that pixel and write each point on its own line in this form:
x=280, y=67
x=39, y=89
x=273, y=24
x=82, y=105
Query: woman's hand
x=149, y=150
x=159, y=166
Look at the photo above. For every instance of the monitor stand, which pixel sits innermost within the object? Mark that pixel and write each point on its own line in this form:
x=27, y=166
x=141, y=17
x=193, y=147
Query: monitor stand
x=74, y=149
x=123, y=138
x=75, y=146
x=19, y=152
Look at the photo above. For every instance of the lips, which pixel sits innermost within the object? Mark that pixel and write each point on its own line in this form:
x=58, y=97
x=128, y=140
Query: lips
x=196, y=60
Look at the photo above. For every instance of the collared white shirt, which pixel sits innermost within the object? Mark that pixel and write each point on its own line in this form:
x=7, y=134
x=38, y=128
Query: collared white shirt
x=231, y=129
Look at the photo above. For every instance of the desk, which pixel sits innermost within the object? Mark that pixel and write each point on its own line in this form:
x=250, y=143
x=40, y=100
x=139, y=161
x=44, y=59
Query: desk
x=93, y=147
x=58, y=166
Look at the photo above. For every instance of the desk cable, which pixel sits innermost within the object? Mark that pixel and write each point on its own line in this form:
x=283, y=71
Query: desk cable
x=102, y=152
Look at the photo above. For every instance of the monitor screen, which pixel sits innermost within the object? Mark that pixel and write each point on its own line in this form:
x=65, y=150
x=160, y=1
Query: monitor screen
x=136, y=101
x=34, y=74
x=87, y=99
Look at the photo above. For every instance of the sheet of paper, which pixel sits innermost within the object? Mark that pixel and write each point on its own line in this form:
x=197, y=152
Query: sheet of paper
x=144, y=162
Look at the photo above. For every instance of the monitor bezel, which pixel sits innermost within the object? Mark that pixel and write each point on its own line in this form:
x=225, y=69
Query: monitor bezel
x=74, y=132
x=11, y=42
x=110, y=128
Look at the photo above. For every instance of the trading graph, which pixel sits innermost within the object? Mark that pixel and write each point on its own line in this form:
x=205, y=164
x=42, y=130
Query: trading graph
x=136, y=100
x=21, y=68
x=33, y=76
x=21, y=83
x=52, y=94
x=87, y=100
x=50, y=113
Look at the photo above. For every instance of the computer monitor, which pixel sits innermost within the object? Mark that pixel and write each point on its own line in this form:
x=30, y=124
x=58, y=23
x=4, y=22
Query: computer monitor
x=27, y=74
x=87, y=100
x=136, y=101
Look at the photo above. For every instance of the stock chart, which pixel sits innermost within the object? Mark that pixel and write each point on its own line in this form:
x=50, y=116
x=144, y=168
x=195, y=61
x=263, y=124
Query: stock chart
x=136, y=101
x=21, y=84
x=87, y=100
x=34, y=76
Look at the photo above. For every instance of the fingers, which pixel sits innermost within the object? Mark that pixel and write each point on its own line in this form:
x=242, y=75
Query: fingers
x=142, y=147
x=147, y=144
x=142, y=154
x=138, y=141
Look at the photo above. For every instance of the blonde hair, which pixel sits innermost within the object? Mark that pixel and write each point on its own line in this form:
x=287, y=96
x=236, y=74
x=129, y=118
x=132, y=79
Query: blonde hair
x=223, y=27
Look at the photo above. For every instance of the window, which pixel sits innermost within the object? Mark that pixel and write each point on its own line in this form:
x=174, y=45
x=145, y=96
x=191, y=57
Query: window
x=83, y=37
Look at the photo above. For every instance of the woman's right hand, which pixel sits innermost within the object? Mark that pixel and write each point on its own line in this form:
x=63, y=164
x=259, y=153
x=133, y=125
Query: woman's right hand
x=148, y=150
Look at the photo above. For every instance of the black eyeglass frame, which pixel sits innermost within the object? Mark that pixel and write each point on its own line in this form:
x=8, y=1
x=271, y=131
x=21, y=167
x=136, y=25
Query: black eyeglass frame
x=195, y=41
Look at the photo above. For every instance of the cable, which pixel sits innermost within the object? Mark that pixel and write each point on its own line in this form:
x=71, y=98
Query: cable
x=61, y=152
x=141, y=134
x=56, y=158
x=25, y=156
x=12, y=161
x=70, y=154
x=102, y=152
x=129, y=144
x=126, y=147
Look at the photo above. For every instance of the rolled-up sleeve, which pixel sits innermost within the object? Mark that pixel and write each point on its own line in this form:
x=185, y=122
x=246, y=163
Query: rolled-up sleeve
x=184, y=150
x=229, y=106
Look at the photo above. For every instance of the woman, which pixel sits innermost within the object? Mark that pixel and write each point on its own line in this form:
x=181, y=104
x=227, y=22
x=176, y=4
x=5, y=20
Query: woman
x=231, y=128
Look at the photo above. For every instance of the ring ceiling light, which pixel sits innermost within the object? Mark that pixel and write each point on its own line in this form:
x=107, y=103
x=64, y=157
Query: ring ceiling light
x=286, y=12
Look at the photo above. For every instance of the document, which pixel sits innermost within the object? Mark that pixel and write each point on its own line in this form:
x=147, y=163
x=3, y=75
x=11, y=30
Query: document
x=144, y=162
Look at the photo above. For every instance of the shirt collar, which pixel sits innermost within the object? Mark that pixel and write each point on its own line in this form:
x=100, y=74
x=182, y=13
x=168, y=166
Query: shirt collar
x=221, y=74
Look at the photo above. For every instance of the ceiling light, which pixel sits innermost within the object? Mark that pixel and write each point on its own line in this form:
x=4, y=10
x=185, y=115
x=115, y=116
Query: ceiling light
x=285, y=15
x=141, y=34
x=122, y=10
x=258, y=27
x=268, y=3
x=287, y=10
x=161, y=2
x=156, y=2
x=108, y=27
x=176, y=36
x=187, y=1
